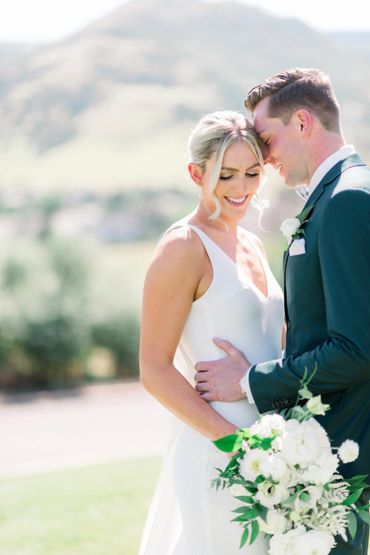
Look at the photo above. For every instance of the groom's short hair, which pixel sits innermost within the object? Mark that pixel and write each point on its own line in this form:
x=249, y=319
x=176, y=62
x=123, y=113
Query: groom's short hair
x=297, y=88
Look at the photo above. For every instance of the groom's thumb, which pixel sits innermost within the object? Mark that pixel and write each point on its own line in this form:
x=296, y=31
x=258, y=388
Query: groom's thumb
x=224, y=345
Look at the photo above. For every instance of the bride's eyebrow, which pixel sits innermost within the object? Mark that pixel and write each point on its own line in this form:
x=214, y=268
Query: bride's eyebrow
x=235, y=169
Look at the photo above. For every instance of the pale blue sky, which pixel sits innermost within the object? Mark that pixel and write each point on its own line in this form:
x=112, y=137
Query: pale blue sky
x=51, y=20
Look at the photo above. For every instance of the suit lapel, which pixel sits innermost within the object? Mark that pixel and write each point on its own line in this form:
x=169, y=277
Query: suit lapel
x=333, y=174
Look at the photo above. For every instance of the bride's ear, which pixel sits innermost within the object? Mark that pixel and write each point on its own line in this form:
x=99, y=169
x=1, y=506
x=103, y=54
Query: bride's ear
x=195, y=172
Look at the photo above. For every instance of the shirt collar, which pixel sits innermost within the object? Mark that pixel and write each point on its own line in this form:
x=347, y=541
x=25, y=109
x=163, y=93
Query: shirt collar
x=327, y=164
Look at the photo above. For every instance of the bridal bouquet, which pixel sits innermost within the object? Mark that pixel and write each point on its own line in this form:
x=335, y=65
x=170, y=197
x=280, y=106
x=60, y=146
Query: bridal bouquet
x=284, y=474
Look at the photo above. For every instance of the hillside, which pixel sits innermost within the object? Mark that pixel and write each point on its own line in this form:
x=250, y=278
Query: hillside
x=111, y=107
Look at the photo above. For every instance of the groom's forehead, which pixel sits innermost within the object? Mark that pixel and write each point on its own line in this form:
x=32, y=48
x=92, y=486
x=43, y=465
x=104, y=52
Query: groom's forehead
x=260, y=115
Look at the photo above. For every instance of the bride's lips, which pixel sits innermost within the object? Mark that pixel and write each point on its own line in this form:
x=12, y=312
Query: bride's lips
x=237, y=201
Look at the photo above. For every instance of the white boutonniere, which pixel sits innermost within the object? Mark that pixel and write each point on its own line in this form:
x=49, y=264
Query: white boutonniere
x=292, y=228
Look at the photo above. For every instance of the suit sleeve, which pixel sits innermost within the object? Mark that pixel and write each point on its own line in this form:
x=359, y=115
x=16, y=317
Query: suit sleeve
x=343, y=360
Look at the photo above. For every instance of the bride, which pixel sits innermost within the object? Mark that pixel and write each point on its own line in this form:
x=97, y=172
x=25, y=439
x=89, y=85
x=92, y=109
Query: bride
x=208, y=277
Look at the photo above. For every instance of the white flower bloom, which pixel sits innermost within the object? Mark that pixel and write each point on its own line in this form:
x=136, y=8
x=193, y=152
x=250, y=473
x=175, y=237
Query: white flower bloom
x=337, y=493
x=295, y=517
x=249, y=466
x=323, y=471
x=268, y=425
x=270, y=494
x=348, y=451
x=330, y=519
x=285, y=544
x=314, y=542
x=276, y=523
x=316, y=406
x=304, y=443
x=275, y=467
x=315, y=493
x=276, y=444
x=289, y=227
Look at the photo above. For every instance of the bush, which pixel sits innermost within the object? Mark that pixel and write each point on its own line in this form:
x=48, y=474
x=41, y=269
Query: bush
x=120, y=334
x=44, y=313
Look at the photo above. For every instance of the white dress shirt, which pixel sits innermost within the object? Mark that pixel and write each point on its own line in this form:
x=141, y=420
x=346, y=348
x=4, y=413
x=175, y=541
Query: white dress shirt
x=305, y=193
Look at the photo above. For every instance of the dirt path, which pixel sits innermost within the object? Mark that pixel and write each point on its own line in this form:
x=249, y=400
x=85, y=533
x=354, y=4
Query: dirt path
x=99, y=423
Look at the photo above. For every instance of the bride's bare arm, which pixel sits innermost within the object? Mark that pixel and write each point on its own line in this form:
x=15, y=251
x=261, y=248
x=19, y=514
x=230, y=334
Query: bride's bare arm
x=170, y=287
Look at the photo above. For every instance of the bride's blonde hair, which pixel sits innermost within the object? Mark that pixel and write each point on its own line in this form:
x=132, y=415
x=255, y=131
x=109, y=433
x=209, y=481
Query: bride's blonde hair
x=214, y=133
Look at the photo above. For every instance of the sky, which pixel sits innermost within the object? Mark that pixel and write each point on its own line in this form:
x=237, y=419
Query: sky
x=52, y=20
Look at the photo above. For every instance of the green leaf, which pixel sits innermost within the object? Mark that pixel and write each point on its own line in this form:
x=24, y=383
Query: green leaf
x=262, y=512
x=304, y=496
x=242, y=518
x=255, y=532
x=364, y=507
x=240, y=510
x=365, y=516
x=352, y=524
x=245, y=498
x=357, y=477
x=353, y=497
x=229, y=443
x=244, y=537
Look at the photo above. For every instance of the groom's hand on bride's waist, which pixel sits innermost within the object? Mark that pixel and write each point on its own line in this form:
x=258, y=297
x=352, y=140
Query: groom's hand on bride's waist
x=218, y=380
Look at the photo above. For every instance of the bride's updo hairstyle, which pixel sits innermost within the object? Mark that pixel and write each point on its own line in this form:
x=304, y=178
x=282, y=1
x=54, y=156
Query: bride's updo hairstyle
x=214, y=133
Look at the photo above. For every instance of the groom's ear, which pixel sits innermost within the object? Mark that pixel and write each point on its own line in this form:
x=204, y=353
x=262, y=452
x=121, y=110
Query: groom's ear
x=304, y=121
x=195, y=172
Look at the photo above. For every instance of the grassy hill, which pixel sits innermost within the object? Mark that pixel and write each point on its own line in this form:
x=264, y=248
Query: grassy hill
x=111, y=107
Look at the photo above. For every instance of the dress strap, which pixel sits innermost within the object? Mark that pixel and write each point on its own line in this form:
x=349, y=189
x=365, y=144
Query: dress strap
x=214, y=253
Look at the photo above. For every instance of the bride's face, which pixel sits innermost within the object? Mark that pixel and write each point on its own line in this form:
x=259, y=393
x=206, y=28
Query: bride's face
x=239, y=180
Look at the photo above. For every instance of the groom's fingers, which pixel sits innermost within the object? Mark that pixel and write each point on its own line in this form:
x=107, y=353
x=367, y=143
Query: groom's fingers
x=206, y=396
x=202, y=366
x=200, y=376
x=225, y=346
x=201, y=387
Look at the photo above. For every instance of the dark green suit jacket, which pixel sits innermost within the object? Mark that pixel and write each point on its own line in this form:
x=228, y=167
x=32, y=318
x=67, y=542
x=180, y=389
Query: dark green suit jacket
x=327, y=311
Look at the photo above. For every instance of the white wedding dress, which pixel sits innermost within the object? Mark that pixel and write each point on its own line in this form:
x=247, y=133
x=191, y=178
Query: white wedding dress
x=187, y=516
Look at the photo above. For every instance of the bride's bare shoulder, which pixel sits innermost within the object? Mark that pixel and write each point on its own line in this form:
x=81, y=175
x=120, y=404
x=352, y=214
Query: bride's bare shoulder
x=179, y=249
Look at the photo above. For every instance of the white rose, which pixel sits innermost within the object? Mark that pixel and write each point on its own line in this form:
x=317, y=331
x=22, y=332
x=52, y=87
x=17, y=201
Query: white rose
x=314, y=542
x=285, y=544
x=268, y=425
x=275, y=467
x=270, y=494
x=304, y=443
x=289, y=227
x=299, y=445
x=348, y=451
x=322, y=472
x=249, y=466
x=275, y=523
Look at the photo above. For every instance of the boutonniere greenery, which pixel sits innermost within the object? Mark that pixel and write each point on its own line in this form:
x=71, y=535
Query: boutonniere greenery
x=292, y=228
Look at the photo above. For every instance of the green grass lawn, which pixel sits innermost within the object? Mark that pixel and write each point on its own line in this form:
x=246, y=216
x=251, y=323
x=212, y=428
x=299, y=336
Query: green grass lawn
x=96, y=510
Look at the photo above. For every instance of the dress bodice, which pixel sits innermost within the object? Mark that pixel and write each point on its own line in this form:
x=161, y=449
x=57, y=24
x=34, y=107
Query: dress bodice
x=232, y=308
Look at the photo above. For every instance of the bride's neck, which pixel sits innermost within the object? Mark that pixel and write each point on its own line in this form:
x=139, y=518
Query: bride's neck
x=202, y=217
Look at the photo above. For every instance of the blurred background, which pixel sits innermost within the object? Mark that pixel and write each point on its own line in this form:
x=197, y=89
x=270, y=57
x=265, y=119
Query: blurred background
x=95, y=118
x=97, y=101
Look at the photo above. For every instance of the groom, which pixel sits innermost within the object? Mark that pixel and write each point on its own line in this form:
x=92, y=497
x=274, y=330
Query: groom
x=326, y=272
